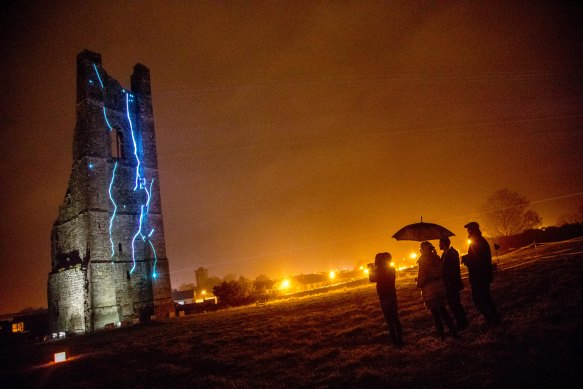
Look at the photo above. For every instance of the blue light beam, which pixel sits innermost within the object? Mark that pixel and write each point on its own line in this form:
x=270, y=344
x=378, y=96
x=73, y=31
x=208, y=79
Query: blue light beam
x=149, y=193
x=134, y=240
x=114, y=209
x=154, y=274
x=133, y=140
x=106, y=121
x=98, y=76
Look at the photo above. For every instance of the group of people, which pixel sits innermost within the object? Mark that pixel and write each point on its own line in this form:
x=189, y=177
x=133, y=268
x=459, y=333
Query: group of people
x=440, y=281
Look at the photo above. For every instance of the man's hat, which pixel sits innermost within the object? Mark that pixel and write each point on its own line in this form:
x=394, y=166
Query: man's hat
x=472, y=226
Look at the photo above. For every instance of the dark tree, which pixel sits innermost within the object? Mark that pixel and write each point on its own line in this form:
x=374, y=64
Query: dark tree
x=235, y=293
x=506, y=213
x=186, y=286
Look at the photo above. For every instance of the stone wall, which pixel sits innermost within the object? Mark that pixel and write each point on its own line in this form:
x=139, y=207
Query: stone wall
x=67, y=294
x=161, y=284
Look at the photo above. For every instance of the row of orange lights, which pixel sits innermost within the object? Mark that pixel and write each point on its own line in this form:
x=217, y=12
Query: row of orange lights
x=286, y=283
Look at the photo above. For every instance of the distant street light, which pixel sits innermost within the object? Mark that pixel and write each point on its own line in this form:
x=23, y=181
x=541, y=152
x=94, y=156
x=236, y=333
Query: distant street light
x=332, y=275
x=285, y=284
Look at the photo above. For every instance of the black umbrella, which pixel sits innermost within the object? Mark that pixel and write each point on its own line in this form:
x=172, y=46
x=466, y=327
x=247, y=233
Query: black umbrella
x=422, y=231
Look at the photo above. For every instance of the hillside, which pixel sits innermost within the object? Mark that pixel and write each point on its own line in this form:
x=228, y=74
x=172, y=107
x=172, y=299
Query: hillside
x=339, y=339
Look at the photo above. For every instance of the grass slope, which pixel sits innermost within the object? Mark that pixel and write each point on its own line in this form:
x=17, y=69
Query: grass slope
x=339, y=339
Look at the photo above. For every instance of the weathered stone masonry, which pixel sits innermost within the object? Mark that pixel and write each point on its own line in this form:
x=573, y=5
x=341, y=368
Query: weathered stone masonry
x=109, y=261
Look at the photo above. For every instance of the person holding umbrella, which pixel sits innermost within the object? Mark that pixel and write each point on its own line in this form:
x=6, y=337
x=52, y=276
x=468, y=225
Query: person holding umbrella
x=479, y=263
x=430, y=281
x=384, y=275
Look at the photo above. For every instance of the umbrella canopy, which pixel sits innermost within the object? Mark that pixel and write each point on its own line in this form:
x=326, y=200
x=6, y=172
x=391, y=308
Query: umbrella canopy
x=422, y=231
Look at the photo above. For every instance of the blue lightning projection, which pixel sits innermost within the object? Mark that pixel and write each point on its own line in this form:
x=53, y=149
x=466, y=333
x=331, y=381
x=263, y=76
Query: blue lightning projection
x=140, y=182
x=133, y=140
x=149, y=195
x=114, y=209
x=134, y=239
x=106, y=121
x=139, y=232
x=102, y=87
x=154, y=274
x=98, y=76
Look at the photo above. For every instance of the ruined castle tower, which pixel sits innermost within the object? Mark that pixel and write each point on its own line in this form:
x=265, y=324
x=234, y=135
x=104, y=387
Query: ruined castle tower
x=109, y=262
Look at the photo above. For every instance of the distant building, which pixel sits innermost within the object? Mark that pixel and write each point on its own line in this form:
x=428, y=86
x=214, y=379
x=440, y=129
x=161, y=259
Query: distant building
x=202, y=276
x=34, y=323
x=109, y=261
x=264, y=285
x=182, y=297
x=311, y=281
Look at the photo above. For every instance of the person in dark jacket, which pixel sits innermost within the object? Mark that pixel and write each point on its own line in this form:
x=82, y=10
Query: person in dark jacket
x=384, y=275
x=479, y=263
x=453, y=282
x=430, y=281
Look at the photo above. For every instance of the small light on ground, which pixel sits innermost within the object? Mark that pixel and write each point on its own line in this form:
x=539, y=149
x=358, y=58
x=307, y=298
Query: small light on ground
x=60, y=357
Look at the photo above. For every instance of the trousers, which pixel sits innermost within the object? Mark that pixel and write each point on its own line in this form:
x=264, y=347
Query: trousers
x=391, y=313
x=459, y=313
x=483, y=301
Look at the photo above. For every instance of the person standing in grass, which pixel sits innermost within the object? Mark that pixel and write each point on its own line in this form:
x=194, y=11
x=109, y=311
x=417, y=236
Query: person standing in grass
x=453, y=282
x=384, y=275
x=479, y=263
x=430, y=281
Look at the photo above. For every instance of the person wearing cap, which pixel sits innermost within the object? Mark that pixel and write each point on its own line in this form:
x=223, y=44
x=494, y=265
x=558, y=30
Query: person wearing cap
x=384, y=275
x=479, y=263
x=430, y=281
x=453, y=282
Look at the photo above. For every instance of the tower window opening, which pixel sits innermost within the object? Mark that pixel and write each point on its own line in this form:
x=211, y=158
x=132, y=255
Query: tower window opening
x=117, y=143
x=119, y=246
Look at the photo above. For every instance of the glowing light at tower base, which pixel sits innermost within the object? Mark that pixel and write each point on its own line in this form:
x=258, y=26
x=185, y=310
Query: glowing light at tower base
x=60, y=357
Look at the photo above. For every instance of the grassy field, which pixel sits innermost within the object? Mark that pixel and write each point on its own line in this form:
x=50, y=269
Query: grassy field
x=339, y=339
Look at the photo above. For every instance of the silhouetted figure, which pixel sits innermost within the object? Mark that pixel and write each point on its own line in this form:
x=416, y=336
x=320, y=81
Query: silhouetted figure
x=430, y=281
x=384, y=275
x=450, y=260
x=479, y=263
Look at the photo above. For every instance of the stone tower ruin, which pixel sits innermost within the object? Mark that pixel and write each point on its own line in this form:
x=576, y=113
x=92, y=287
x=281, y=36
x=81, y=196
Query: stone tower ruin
x=109, y=263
